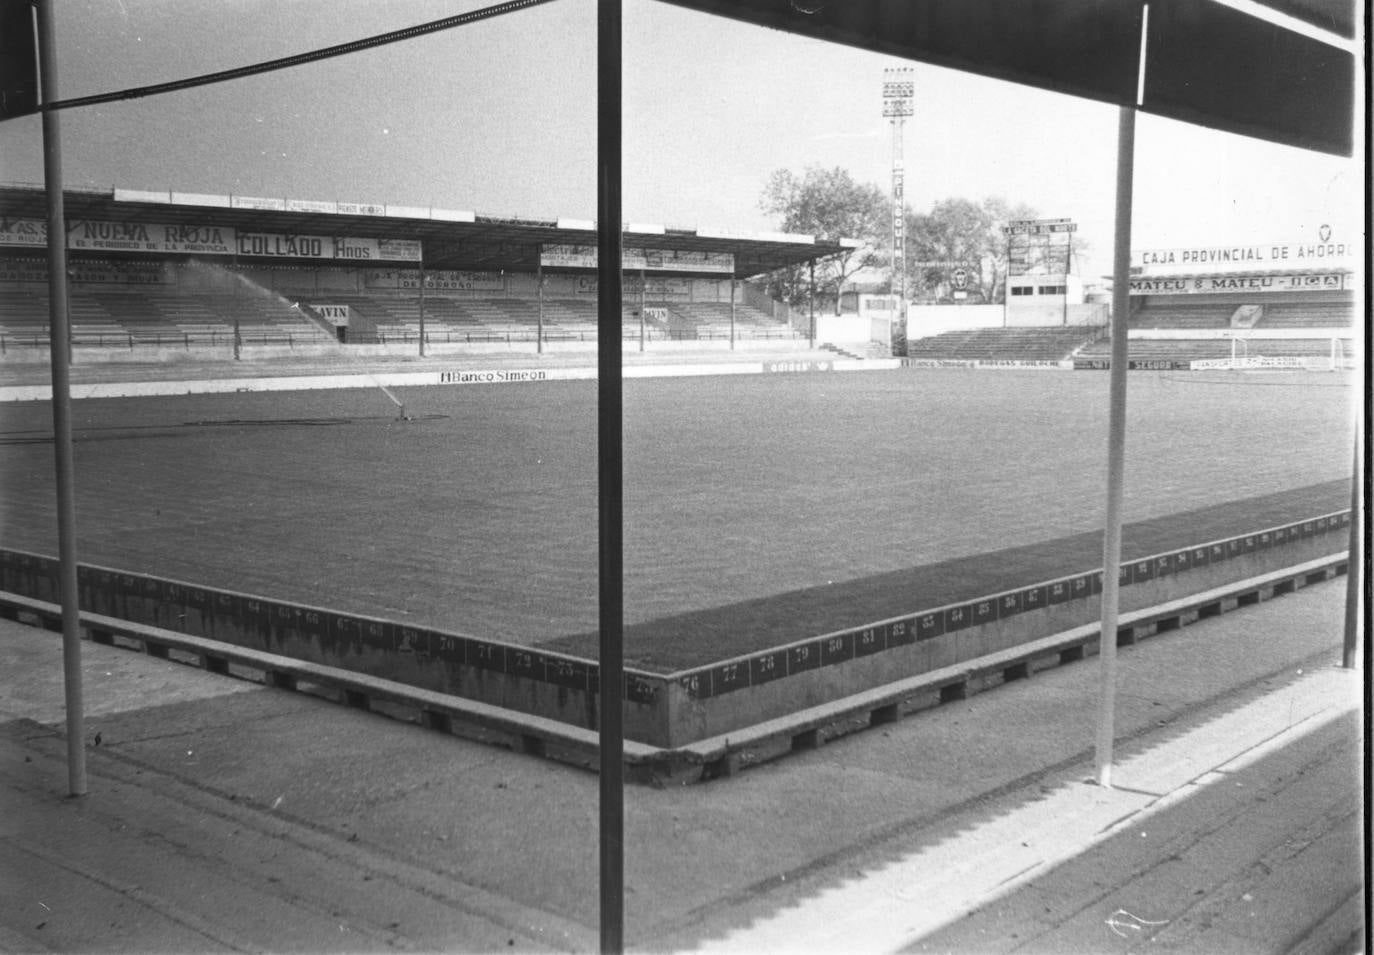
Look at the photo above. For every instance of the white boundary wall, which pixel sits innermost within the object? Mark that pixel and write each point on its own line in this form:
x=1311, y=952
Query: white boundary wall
x=460, y=376
x=923, y=321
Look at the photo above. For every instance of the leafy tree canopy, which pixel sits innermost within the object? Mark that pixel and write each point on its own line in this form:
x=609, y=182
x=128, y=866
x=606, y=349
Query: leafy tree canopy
x=963, y=231
x=829, y=204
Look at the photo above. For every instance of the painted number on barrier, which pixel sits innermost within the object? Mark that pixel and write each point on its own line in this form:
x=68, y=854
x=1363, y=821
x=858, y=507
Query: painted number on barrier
x=984, y=611
x=447, y=647
x=1059, y=592
x=805, y=657
x=956, y=618
x=929, y=626
x=729, y=676
x=1143, y=570
x=1033, y=598
x=638, y=690
x=901, y=632
x=526, y=664
x=837, y=649
x=697, y=685
x=488, y=656
x=412, y=641
x=768, y=666
x=869, y=641
x=569, y=673
x=1009, y=604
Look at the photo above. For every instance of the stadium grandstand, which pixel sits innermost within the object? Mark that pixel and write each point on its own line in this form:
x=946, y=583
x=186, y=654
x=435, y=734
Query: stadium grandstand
x=1048, y=344
x=1250, y=319
x=1179, y=320
x=198, y=272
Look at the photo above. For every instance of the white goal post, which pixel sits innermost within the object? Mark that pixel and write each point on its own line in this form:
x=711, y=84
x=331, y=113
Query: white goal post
x=1341, y=357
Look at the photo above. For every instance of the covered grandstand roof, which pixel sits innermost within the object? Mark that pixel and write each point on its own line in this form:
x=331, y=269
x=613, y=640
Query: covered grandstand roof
x=452, y=239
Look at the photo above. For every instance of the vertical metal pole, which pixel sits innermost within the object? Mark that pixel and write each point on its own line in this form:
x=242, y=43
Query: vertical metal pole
x=732, y=306
x=59, y=349
x=422, y=306
x=643, y=303
x=1006, y=287
x=1068, y=266
x=811, y=300
x=539, y=288
x=610, y=474
x=1116, y=441
x=1354, y=575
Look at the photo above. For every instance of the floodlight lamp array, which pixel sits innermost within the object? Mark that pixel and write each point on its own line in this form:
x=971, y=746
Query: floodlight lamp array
x=897, y=107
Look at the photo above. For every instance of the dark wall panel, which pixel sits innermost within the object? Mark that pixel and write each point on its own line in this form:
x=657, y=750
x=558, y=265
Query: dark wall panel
x=1213, y=65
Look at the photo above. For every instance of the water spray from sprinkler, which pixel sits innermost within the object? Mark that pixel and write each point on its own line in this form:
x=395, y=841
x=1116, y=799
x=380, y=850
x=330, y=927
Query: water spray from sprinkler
x=310, y=315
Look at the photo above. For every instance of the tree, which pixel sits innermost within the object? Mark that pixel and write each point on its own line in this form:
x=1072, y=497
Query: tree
x=828, y=204
x=965, y=232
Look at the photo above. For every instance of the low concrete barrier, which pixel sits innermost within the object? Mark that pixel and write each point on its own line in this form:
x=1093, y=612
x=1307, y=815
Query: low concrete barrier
x=675, y=709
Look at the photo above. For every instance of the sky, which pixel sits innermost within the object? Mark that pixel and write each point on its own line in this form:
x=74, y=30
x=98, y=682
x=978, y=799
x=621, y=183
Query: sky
x=499, y=118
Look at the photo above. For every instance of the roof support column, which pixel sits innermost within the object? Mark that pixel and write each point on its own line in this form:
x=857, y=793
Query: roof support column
x=422, y=306
x=811, y=300
x=732, y=303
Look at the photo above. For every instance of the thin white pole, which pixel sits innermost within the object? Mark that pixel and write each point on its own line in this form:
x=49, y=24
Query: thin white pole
x=1116, y=442
x=1355, y=569
x=60, y=359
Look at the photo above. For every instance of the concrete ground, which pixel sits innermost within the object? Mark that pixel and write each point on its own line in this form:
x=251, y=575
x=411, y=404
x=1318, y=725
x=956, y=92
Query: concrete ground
x=223, y=815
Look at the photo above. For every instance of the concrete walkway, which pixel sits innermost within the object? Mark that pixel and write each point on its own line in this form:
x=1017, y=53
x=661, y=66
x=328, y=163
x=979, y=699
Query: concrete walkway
x=223, y=815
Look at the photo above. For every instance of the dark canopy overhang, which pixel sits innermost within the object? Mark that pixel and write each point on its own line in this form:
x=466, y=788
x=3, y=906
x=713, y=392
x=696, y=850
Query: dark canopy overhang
x=490, y=243
x=1206, y=63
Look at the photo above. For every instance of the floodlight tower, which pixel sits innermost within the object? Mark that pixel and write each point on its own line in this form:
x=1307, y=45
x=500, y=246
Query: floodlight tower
x=898, y=97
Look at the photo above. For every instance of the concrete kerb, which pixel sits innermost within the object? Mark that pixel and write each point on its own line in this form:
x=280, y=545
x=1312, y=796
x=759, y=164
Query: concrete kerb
x=704, y=759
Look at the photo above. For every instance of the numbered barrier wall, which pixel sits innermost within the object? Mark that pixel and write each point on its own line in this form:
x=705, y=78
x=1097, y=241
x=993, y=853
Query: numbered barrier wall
x=675, y=709
x=713, y=700
x=519, y=678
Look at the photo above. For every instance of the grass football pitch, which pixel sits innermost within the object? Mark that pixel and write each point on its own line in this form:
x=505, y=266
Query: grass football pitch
x=479, y=516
